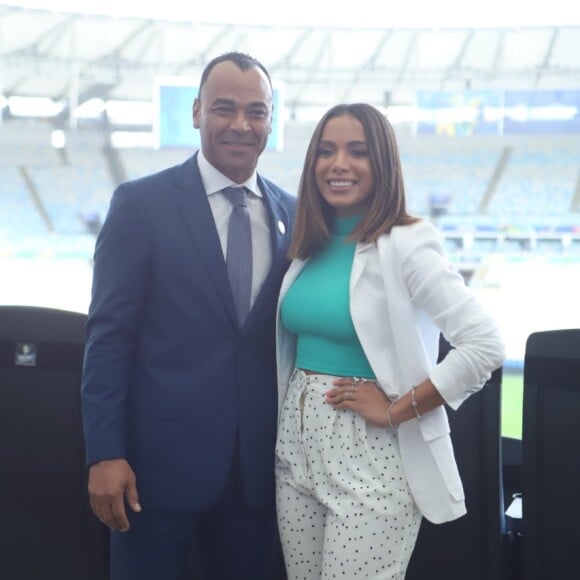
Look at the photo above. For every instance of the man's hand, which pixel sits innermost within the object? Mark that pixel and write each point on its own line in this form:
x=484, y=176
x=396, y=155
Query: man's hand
x=111, y=483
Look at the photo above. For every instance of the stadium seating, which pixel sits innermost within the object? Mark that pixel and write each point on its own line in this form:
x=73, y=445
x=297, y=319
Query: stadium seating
x=534, y=194
x=138, y=162
x=67, y=192
x=19, y=217
x=458, y=169
x=540, y=180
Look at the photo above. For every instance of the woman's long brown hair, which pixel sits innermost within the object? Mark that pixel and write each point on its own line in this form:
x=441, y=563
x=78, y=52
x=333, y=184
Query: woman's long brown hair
x=314, y=216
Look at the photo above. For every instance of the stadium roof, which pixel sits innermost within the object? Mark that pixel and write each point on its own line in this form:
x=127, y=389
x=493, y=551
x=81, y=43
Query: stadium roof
x=338, y=56
x=366, y=13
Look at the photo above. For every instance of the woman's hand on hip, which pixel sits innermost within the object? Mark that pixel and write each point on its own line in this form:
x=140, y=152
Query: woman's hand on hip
x=362, y=396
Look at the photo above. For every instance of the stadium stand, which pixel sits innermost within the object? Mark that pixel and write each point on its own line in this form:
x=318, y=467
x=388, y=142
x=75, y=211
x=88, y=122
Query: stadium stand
x=68, y=192
x=19, y=216
x=539, y=181
x=529, y=209
x=460, y=169
x=144, y=161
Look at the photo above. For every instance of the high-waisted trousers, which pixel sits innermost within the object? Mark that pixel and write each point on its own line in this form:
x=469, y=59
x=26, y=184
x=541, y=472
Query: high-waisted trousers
x=344, y=506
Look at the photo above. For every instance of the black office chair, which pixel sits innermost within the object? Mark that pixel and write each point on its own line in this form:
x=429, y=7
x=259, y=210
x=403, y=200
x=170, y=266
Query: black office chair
x=551, y=455
x=472, y=547
x=46, y=529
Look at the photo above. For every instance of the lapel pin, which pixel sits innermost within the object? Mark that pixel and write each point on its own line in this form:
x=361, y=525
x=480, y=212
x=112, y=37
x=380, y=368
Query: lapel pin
x=281, y=227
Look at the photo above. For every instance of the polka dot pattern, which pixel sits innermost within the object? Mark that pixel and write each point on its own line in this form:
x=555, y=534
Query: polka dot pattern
x=344, y=506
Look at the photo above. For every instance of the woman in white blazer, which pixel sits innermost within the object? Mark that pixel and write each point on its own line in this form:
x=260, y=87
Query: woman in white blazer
x=363, y=449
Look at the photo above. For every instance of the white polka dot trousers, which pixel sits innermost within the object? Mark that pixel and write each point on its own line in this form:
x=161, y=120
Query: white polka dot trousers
x=344, y=507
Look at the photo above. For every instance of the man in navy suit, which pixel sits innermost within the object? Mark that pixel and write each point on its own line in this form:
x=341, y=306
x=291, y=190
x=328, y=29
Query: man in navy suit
x=179, y=398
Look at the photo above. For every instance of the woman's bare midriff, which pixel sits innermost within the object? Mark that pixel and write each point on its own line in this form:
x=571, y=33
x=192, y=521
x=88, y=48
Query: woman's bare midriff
x=306, y=371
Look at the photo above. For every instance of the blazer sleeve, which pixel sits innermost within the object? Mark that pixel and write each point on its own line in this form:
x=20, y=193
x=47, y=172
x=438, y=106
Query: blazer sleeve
x=119, y=291
x=436, y=288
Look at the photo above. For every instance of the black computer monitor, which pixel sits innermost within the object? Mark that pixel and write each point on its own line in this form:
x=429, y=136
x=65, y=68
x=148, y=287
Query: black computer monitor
x=551, y=455
x=46, y=527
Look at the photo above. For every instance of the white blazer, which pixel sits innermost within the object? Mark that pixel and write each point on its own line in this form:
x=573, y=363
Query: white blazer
x=403, y=293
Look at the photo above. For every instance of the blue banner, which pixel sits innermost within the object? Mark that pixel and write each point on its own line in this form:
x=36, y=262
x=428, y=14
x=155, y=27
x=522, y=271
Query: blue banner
x=462, y=113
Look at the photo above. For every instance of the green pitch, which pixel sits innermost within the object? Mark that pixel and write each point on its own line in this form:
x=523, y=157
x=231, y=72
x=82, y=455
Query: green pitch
x=511, y=405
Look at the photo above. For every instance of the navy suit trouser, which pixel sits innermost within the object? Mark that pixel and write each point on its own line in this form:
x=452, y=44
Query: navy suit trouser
x=231, y=541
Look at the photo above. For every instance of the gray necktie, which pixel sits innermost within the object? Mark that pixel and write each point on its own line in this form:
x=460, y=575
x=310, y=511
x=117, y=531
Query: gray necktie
x=239, y=252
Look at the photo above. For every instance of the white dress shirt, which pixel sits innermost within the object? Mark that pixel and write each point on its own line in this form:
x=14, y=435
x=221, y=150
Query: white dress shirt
x=221, y=208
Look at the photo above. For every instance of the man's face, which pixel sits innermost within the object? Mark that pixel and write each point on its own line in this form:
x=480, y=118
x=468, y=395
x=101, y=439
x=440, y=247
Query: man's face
x=234, y=116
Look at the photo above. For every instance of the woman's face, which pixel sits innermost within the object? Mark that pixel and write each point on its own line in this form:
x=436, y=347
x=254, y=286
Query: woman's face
x=343, y=169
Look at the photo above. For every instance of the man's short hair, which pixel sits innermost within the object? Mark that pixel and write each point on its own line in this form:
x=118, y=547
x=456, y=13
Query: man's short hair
x=241, y=60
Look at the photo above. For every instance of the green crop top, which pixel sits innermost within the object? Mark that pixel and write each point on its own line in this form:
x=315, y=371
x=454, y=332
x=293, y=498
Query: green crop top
x=316, y=309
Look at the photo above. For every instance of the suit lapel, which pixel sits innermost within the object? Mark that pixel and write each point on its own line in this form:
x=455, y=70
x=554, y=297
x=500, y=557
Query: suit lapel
x=196, y=213
x=279, y=225
x=358, y=264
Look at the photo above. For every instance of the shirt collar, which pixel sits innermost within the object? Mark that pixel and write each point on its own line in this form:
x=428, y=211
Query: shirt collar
x=214, y=181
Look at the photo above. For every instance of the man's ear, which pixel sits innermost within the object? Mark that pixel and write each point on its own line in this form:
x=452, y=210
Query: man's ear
x=195, y=112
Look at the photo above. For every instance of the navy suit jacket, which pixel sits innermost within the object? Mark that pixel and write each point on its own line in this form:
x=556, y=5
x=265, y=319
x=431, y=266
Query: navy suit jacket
x=170, y=381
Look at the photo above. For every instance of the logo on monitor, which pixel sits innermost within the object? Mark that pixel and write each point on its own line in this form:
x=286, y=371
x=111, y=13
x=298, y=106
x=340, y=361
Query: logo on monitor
x=25, y=355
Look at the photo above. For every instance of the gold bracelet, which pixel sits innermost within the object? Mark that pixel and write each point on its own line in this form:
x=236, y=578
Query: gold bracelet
x=389, y=418
x=414, y=403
